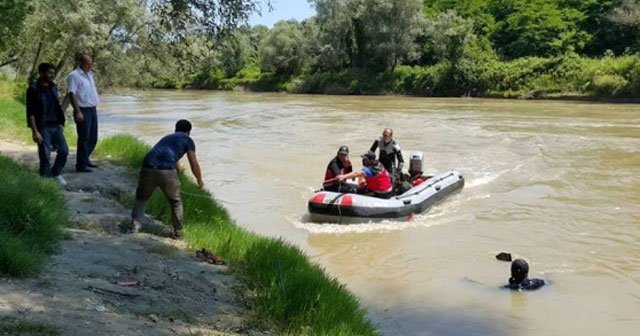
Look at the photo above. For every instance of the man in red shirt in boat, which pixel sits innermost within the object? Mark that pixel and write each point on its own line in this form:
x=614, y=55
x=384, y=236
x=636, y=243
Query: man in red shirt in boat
x=376, y=178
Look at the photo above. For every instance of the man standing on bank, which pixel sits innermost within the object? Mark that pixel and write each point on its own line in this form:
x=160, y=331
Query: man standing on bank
x=83, y=96
x=159, y=170
x=46, y=120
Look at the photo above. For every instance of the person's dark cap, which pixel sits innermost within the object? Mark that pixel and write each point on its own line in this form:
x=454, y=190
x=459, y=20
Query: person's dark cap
x=343, y=150
x=369, y=155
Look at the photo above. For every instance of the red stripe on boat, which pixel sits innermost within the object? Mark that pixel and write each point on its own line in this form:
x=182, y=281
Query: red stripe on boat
x=318, y=198
x=346, y=200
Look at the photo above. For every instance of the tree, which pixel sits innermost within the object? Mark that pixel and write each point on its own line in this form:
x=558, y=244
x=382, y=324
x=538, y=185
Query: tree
x=448, y=35
x=625, y=16
x=392, y=27
x=340, y=34
x=372, y=34
x=235, y=52
x=536, y=28
x=12, y=15
x=168, y=37
x=627, y=13
x=282, y=51
x=182, y=17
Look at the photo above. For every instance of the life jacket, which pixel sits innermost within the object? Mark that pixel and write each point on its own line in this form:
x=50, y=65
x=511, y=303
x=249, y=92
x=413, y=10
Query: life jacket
x=380, y=183
x=328, y=175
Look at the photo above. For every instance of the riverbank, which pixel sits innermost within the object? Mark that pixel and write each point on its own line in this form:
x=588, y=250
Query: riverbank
x=277, y=287
x=106, y=281
x=568, y=77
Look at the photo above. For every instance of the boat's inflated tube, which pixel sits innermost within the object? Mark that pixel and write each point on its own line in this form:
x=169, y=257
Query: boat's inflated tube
x=333, y=207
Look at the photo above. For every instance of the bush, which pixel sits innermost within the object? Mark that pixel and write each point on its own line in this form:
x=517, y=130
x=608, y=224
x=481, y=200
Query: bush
x=608, y=85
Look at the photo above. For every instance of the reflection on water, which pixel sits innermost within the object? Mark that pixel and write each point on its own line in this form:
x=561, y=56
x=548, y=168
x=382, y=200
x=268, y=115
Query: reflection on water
x=556, y=183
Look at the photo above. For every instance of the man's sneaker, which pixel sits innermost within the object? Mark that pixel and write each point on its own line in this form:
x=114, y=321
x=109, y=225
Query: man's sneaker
x=177, y=234
x=135, y=226
x=60, y=180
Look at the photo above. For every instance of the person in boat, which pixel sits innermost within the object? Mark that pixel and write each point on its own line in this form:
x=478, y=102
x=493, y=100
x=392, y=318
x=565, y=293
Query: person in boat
x=376, y=178
x=519, y=279
x=337, y=166
x=389, y=152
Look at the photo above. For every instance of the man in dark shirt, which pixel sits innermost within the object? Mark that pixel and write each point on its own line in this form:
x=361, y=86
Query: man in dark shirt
x=337, y=166
x=46, y=120
x=159, y=170
x=389, y=151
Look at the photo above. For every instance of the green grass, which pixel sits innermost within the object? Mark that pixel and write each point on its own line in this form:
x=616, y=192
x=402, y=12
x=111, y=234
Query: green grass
x=294, y=295
x=13, y=122
x=12, y=327
x=32, y=214
x=32, y=210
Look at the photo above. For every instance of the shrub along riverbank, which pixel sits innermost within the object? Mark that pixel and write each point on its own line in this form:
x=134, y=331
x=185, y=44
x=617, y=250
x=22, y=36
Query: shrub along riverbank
x=288, y=292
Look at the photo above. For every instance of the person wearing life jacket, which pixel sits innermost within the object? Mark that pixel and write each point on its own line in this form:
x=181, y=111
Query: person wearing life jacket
x=519, y=279
x=376, y=177
x=389, y=152
x=337, y=166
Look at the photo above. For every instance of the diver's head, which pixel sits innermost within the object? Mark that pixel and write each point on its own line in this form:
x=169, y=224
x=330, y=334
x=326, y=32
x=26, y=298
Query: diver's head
x=519, y=271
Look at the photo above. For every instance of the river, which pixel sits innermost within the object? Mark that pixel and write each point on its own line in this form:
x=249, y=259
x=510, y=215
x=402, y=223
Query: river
x=555, y=183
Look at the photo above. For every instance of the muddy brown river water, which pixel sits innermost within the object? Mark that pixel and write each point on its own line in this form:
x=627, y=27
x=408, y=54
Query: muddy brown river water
x=555, y=183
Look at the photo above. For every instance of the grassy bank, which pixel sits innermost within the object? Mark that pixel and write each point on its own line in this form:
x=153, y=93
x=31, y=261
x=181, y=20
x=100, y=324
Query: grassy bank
x=290, y=294
x=294, y=295
x=32, y=214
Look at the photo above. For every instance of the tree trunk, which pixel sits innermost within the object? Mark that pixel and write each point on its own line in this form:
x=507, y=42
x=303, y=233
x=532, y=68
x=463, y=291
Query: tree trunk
x=35, y=62
x=62, y=60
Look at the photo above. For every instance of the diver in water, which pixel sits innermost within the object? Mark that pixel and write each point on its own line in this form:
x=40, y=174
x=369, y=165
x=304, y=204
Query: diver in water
x=519, y=277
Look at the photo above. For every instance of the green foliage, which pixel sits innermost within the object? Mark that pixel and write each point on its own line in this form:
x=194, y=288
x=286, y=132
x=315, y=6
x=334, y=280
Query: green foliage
x=124, y=149
x=294, y=295
x=235, y=52
x=449, y=34
x=282, y=51
x=13, y=120
x=32, y=213
x=536, y=28
x=14, y=327
x=608, y=85
x=12, y=16
x=375, y=34
x=610, y=76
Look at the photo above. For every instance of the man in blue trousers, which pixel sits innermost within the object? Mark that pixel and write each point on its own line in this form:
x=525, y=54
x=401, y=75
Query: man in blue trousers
x=83, y=96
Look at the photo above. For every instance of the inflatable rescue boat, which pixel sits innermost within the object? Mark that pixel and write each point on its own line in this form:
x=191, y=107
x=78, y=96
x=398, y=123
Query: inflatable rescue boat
x=344, y=208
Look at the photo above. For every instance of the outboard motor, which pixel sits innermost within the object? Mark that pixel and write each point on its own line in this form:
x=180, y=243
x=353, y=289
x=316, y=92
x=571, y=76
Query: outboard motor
x=415, y=169
x=415, y=164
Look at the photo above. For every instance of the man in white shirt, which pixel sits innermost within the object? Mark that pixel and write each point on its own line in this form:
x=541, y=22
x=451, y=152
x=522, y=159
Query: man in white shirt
x=83, y=96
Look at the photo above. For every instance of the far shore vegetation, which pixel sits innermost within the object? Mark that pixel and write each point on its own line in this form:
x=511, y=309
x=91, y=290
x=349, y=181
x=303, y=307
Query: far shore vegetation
x=587, y=49
x=285, y=290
